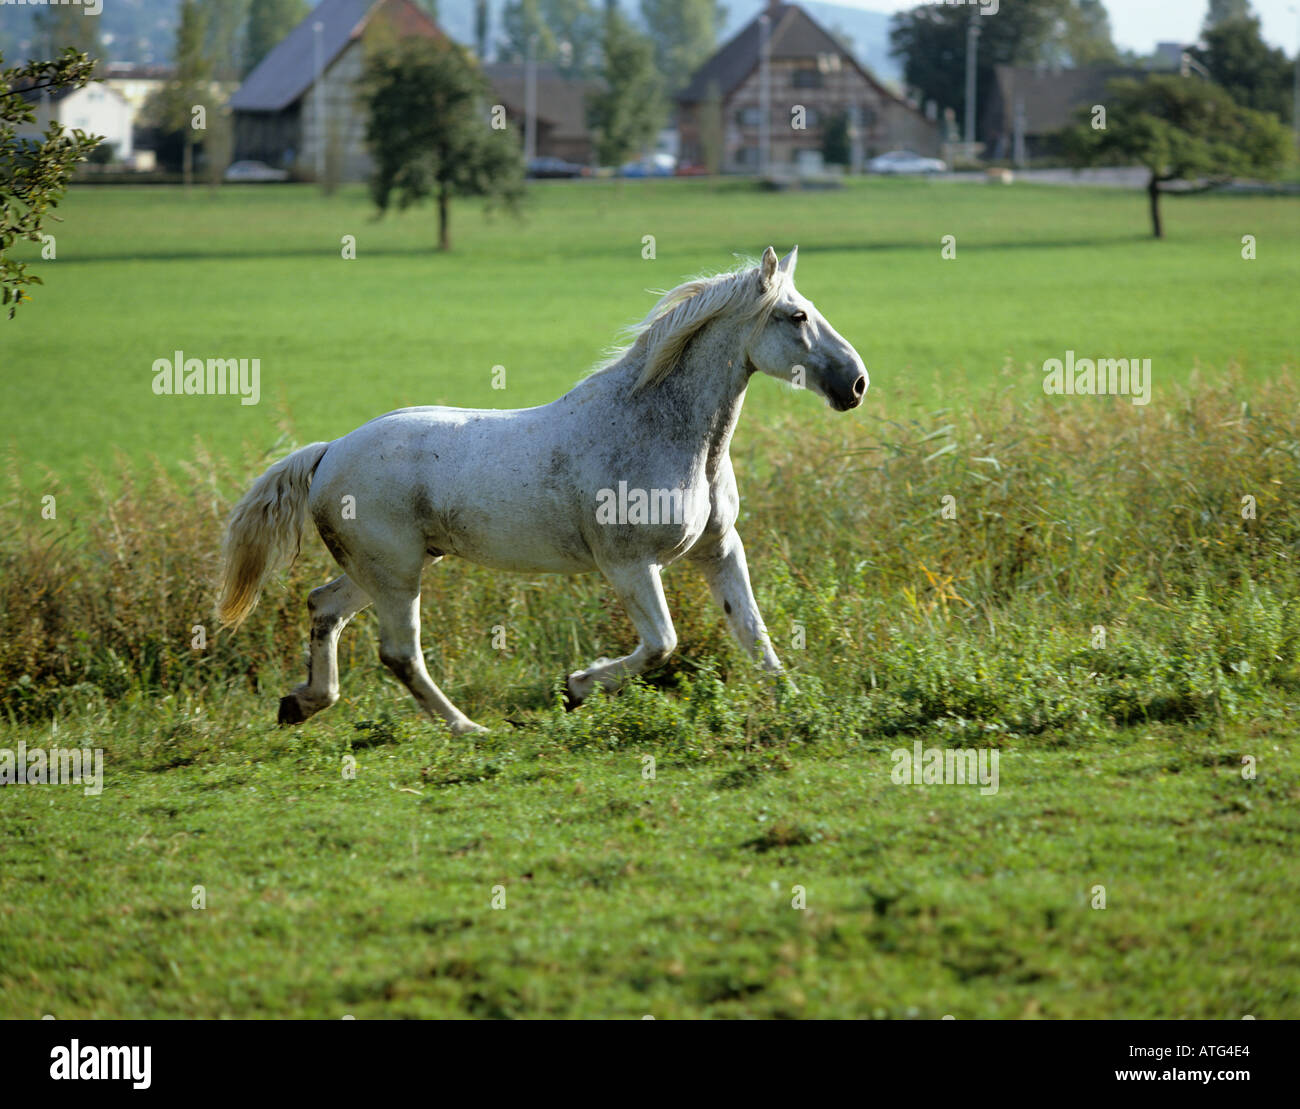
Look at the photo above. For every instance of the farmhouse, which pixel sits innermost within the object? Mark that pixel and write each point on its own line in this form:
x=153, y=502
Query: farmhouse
x=299, y=109
x=1046, y=100
x=814, y=82
x=95, y=109
x=561, y=113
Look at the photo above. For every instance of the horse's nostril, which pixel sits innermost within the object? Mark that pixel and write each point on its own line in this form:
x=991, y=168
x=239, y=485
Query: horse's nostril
x=860, y=386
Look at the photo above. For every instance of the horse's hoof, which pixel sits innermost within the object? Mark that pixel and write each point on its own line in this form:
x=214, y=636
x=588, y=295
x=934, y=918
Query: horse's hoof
x=468, y=727
x=290, y=711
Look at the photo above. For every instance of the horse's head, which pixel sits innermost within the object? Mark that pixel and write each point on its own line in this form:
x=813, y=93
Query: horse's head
x=795, y=343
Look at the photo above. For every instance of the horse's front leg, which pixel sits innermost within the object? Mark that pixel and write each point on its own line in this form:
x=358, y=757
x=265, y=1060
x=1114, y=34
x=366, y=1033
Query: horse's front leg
x=642, y=593
x=724, y=568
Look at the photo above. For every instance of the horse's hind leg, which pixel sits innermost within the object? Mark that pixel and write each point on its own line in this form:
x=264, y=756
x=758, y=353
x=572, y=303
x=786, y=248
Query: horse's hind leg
x=331, y=607
x=399, y=650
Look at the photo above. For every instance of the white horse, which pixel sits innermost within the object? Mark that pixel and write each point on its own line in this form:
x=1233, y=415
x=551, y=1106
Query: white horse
x=626, y=473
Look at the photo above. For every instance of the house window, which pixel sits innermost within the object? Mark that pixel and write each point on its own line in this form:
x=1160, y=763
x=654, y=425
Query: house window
x=812, y=117
x=749, y=117
x=807, y=79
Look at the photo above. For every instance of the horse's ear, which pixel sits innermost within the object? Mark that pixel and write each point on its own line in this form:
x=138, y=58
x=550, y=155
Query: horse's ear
x=788, y=262
x=767, y=267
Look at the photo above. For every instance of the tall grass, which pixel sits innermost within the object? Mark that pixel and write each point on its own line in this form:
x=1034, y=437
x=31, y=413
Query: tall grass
x=995, y=568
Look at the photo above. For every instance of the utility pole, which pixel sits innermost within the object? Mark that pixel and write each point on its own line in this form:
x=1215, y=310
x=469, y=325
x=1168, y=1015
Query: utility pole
x=972, y=38
x=764, y=95
x=318, y=28
x=1018, y=146
x=530, y=101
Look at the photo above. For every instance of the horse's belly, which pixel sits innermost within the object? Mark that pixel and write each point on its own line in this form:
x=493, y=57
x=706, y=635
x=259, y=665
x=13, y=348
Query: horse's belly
x=510, y=538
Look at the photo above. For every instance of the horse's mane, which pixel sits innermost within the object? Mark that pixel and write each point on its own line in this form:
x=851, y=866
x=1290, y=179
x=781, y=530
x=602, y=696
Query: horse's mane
x=681, y=312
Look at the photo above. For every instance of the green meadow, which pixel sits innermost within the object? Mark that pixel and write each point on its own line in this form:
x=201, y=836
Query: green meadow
x=259, y=273
x=1103, y=595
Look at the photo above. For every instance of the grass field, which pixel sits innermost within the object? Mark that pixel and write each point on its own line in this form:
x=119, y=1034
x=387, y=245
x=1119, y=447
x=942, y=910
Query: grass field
x=1138, y=858
x=249, y=272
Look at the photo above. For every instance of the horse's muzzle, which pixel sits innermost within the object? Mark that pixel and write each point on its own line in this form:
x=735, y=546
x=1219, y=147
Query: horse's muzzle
x=848, y=395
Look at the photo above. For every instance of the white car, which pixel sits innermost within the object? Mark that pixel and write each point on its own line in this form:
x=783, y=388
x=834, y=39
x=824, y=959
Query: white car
x=255, y=171
x=906, y=161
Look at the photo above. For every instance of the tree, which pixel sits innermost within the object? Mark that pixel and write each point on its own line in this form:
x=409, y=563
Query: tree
x=562, y=33
x=712, y=129
x=1224, y=11
x=481, y=19
x=685, y=33
x=1253, y=73
x=190, y=86
x=1179, y=129
x=629, y=111
x=430, y=131
x=931, y=40
x=1087, y=35
x=34, y=173
x=224, y=19
x=60, y=27
x=268, y=23
x=837, y=146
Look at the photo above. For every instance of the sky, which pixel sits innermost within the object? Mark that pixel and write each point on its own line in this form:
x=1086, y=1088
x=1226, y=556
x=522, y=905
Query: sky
x=1140, y=24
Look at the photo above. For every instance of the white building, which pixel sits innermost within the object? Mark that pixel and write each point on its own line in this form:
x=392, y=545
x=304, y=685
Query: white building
x=95, y=109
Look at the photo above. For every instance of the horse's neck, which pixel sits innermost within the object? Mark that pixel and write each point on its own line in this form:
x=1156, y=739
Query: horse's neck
x=698, y=404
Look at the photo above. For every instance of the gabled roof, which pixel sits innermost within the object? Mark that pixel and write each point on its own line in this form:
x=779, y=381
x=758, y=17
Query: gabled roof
x=792, y=33
x=289, y=70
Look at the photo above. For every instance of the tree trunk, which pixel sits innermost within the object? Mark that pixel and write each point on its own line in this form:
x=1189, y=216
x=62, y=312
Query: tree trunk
x=187, y=163
x=444, y=218
x=1153, y=193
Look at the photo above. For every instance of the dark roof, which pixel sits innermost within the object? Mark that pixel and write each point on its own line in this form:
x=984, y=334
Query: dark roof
x=289, y=70
x=793, y=33
x=1051, y=96
x=561, y=101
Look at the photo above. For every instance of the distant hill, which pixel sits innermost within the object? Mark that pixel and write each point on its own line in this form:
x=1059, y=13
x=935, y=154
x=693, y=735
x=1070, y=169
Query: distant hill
x=144, y=31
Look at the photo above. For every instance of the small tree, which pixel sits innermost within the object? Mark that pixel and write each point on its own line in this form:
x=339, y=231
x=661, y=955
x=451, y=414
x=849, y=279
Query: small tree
x=34, y=173
x=190, y=87
x=269, y=21
x=1254, y=74
x=837, y=143
x=1179, y=129
x=629, y=111
x=430, y=131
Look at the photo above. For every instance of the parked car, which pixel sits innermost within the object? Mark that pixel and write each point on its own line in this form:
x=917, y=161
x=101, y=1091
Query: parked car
x=554, y=167
x=657, y=165
x=254, y=171
x=906, y=161
x=686, y=169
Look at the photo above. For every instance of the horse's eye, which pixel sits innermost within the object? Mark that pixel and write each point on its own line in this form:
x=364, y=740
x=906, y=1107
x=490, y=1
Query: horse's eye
x=799, y=317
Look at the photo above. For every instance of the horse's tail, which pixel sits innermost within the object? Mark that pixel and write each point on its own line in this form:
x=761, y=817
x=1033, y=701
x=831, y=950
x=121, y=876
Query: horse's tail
x=265, y=532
